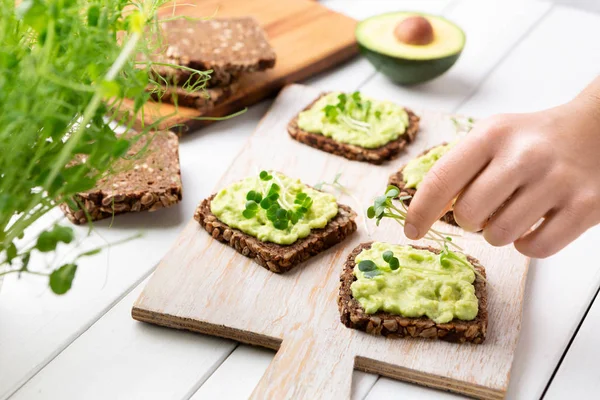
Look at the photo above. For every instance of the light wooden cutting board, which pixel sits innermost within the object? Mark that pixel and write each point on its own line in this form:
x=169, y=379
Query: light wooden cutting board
x=205, y=286
x=308, y=38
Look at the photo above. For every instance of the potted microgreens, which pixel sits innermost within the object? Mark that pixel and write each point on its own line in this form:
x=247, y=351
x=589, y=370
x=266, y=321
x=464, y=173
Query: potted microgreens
x=67, y=66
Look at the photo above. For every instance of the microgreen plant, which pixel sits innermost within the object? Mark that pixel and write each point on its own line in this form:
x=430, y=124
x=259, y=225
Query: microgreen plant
x=67, y=67
x=273, y=199
x=336, y=185
x=350, y=111
x=383, y=207
x=462, y=124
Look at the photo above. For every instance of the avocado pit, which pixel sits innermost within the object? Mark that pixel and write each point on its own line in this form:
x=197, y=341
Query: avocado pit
x=416, y=31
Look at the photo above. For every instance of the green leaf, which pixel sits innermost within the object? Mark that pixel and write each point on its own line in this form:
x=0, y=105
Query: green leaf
x=93, y=15
x=394, y=263
x=90, y=252
x=281, y=224
x=387, y=256
x=392, y=192
x=254, y=196
x=265, y=176
x=372, y=274
x=110, y=89
x=251, y=205
x=34, y=13
x=11, y=252
x=48, y=240
x=61, y=279
x=281, y=214
x=367, y=265
x=371, y=212
x=248, y=213
x=266, y=203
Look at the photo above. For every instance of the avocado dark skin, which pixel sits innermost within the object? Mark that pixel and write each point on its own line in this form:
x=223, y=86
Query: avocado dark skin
x=408, y=72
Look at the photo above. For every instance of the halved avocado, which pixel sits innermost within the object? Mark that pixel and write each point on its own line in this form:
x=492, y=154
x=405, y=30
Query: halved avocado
x=410, y=47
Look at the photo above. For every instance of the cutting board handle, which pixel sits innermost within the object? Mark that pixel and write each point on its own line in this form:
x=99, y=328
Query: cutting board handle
x=304, y=368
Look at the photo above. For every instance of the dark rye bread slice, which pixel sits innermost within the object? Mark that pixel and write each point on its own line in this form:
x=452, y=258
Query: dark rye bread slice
x=397, y=179
x=147, y=184
x=227, y=46
x=391, y=325
x=202, y=100
x=352, y=152
x=278, y=258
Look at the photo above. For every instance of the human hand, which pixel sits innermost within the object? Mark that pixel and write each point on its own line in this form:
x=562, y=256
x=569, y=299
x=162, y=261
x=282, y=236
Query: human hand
x=513, y=170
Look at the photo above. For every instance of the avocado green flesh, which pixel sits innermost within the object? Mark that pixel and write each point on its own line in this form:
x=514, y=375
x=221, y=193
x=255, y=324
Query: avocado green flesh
x=404, y=63
x=388, y=126
x=421, y=286
x=229, y=204
x=416, y=169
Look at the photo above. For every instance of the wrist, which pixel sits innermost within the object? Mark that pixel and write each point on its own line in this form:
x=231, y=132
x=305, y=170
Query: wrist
x=587, y=104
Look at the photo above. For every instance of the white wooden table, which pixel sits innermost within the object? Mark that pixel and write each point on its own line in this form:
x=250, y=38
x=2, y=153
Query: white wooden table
x=520, y=56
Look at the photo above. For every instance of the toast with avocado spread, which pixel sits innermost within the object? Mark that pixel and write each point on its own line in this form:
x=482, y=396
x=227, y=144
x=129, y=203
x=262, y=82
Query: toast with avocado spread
x=411, y=291
x=416, y=169
x=356, y=127
x=275, y=220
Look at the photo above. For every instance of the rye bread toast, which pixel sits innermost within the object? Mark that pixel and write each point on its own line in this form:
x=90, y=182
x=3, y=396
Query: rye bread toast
x=391, y=325
x=150, y=183
x=397, y=179
x=227, y=46
x=377, y=155
x=275, y=257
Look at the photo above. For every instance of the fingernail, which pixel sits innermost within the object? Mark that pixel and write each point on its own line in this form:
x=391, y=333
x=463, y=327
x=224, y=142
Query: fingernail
x=410, y=231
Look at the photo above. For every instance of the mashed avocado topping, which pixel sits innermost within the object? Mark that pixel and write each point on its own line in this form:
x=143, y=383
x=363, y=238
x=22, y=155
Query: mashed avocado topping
x=410, y=282
x=274, y=208
x=416, y=169
x=354, y=119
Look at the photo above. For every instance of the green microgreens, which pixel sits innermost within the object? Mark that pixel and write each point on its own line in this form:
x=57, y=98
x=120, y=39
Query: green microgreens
x=341, y=113
x=272, y=202
x=368, y=268
x=388, y=257
x=462, y=124
x=383, y=207
x=338, y=186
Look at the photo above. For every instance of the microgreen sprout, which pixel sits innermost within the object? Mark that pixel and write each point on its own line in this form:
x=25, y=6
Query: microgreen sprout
x=368, y=268
x=383, y=207
x=388, y=257
x=338, y=186
x=462, y=124
x=342, y=112
x=272, y=202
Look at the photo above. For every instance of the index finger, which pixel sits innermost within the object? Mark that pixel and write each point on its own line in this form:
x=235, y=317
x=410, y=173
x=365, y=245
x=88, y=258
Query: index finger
x=445, y=180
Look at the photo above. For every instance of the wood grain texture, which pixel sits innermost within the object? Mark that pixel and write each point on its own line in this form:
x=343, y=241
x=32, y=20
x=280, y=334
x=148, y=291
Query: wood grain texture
x=204, y=286
x=307, y=37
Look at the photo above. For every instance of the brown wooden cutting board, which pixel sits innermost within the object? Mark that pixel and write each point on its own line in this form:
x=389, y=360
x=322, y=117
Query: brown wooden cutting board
x=308, y=38
x=205, y=286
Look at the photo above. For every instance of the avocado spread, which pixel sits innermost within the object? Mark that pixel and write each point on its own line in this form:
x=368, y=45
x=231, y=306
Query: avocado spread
x=416, y=169
x=354, y=119
x=274, y=208
x=415, y=284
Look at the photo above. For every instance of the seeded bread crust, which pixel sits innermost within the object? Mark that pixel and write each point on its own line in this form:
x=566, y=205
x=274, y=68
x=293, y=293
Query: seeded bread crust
x=274, y=257
x=378, y=155
x=227, y=46
x=202, y=100
x=396, y=326
x=397, y=179
x=151, y=183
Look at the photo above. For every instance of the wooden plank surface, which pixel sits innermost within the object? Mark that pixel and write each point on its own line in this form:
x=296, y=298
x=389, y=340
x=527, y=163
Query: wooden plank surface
x=196, y=278
x=300, y=32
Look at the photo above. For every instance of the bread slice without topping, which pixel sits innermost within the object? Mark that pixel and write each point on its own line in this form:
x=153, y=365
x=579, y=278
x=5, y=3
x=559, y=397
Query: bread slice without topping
x=275, y=257
x=352, y=152
x=391, y=325
x=397, y=179
x=227, y=46
x=147, y=184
